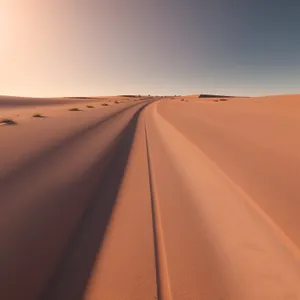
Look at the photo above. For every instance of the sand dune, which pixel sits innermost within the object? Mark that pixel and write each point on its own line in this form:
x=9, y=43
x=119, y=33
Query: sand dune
x=150, y=199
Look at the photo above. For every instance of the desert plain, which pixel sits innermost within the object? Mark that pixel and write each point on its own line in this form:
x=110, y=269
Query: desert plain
x=143, y=198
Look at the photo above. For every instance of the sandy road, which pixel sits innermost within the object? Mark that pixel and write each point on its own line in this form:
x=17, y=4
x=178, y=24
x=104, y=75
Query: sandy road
x=151, y=201
x=52, y=177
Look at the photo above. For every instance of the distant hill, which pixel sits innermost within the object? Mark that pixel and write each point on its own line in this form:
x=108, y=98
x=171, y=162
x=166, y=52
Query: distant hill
x=215, y=96
x=130, y=96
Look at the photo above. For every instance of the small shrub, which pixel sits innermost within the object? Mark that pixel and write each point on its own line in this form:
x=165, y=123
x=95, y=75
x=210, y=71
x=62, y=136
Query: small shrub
x=223, y=99
x=7, y=122
x=90, y=106
x=74, y=109
x=38, y=115
x=104, y=104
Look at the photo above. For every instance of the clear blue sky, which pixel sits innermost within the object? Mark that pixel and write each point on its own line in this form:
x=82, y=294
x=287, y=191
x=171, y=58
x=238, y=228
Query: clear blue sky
x=107, y=47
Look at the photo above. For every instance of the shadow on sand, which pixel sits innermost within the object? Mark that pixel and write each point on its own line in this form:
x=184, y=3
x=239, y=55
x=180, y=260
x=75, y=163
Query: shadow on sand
x=71, y=277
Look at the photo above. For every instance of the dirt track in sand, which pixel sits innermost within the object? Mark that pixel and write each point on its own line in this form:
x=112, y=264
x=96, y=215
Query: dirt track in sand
x=152, y=200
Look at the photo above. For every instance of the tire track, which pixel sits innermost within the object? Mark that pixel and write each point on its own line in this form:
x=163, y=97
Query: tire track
x=125, y=263
x=193, y=268
x=162, y=276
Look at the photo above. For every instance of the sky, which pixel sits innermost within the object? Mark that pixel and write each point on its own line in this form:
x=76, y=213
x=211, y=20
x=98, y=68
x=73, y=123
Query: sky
x=160, y=47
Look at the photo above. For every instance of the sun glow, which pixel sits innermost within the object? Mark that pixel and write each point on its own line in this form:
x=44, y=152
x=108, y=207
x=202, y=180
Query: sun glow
x=4, y=23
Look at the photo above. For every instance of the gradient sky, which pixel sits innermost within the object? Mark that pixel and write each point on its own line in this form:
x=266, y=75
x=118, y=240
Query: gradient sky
x=108, y=47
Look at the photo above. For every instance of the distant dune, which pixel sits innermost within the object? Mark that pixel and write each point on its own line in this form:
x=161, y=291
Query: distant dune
x=214, y=96
x=130, y=96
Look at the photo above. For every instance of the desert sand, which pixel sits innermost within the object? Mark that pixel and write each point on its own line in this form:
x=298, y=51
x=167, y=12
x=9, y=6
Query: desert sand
x=150, y=198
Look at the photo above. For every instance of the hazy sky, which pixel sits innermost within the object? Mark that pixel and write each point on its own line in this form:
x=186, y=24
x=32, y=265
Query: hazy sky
x=106, y=47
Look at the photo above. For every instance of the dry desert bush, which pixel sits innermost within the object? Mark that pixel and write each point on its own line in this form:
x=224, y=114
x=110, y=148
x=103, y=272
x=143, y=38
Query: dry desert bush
x=38, y=115
x=7, y=122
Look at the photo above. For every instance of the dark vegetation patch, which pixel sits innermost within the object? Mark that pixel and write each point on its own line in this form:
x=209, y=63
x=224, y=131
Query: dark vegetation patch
x=130, y=96
x=214, y=96
x=74, y=109
x=7, y=122
x=79, y=97
x=38, y=115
